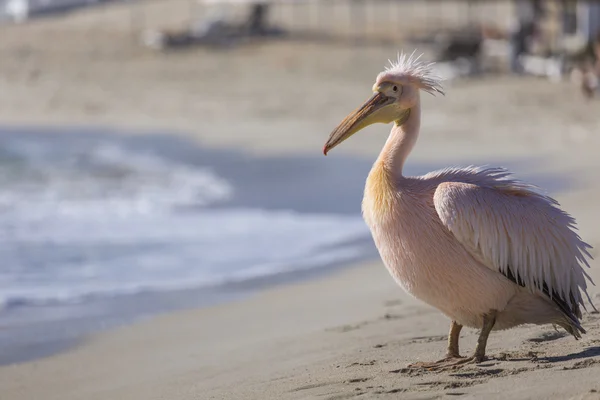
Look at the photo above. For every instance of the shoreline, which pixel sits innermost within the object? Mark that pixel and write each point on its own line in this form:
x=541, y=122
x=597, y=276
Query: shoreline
x=21, y=339
x=35, y=325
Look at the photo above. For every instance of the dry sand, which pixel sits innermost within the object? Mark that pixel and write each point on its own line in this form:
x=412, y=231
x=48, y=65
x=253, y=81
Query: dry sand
x=347, y=335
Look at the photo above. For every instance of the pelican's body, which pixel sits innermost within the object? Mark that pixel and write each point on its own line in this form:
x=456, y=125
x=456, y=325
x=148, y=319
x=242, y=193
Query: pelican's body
x=431, y=264
x=486, y=250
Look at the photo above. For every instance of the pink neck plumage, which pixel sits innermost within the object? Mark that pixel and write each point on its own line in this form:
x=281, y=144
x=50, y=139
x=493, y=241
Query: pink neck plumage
x=400, y=143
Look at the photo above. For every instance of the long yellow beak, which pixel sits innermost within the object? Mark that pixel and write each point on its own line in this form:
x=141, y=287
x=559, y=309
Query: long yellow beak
x=365, y=115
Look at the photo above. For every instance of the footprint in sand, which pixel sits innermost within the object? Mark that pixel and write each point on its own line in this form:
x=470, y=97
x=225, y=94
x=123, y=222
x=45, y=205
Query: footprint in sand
x=347, y=328
x=583, y=364
x=357, y=380
x=427, y=339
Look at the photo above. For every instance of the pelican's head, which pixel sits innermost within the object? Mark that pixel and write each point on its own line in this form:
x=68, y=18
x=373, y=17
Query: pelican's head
x=395, y=92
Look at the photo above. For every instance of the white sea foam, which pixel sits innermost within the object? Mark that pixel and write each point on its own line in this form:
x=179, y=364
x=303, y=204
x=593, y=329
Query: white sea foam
x=108, y=221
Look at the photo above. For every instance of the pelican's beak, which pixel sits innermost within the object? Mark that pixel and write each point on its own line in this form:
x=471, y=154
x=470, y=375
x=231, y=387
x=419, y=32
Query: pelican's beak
x=372, y=111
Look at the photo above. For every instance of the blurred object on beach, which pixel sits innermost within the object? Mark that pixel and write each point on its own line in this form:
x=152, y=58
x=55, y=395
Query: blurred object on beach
x=19, y=11
x=587, y=73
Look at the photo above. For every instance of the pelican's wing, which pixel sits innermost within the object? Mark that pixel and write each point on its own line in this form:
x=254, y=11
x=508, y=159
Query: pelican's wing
x=520, y=233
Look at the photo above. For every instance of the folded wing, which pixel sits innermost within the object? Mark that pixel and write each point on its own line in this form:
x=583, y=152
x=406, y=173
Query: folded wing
x=522, y=234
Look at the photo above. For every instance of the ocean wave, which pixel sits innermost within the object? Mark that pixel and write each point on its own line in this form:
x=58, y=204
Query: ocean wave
x=99, y=219
x=105, y=179
x=232, y=253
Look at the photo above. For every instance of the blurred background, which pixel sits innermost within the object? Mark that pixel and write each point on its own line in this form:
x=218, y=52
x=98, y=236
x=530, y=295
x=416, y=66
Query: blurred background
x=158, y=155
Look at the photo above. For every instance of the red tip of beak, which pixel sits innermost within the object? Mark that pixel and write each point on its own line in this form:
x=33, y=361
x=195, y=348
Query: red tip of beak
x=325, y=150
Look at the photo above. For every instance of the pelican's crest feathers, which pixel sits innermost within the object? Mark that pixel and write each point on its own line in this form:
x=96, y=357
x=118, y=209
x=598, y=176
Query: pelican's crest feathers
x=411, y=70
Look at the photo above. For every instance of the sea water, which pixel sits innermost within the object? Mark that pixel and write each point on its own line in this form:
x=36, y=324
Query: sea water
x=96, y=224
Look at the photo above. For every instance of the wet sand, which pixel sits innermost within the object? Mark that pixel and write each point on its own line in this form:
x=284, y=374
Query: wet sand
x=346, y=335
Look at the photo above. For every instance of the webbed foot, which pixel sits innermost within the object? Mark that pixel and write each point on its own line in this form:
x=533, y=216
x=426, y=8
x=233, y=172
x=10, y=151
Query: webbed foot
x=446, y=364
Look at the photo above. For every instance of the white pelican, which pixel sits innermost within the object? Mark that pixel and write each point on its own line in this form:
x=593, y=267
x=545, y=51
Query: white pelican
x=485, y=249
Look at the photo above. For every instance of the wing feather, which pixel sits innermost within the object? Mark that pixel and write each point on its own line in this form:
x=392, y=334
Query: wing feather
x=518, y=232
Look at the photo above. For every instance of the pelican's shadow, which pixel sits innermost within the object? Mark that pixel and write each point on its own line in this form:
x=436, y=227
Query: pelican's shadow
x=590, y=352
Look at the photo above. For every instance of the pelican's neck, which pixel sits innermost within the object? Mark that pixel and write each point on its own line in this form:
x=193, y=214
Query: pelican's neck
x=401, y=141
x=385, y=178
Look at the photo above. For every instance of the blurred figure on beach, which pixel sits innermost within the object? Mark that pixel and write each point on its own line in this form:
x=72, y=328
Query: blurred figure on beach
x=587, y=73
x=524, y=31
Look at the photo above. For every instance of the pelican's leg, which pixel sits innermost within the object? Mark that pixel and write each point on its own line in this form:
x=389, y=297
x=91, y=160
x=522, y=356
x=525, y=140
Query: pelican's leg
x=489, y=320
x=452, y=352
x=454, y=362
x=453, y=336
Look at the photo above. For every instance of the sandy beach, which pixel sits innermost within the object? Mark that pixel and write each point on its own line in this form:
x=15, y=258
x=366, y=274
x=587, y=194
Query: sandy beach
x=351, y=333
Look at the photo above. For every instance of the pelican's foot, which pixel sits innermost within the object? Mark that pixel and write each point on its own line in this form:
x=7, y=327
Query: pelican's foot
x=435, y=364
x=446, y=364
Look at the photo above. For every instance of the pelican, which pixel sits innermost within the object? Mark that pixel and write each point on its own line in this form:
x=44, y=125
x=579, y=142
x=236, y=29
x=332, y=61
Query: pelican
x=489, y=251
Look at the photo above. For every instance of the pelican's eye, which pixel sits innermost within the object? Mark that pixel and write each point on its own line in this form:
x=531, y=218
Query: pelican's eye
x=395, y=89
